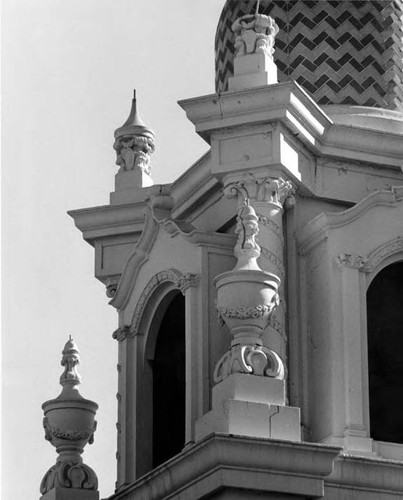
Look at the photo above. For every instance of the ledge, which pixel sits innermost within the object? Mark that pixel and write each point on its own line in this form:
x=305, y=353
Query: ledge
x=247, y=465
x=290, y=105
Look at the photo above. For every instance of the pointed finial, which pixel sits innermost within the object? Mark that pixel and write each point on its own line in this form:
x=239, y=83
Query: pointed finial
x=70, y=359
x=246, y=249
x=257, y=6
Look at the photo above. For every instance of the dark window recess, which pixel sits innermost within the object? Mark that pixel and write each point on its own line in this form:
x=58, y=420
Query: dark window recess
x=385, y=354
x=169, y=384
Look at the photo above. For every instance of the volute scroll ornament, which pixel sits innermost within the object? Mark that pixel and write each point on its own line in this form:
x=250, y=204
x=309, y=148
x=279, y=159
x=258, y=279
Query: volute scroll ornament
x=69, y=424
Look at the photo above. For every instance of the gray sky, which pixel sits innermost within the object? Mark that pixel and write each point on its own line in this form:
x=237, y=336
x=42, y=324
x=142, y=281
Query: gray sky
x=68, y=73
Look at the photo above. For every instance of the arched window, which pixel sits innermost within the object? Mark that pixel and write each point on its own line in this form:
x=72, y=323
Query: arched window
x=168, y=373
x=385, y=354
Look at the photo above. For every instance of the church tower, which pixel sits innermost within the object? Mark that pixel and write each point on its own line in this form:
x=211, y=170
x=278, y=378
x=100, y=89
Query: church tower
x=260, y=295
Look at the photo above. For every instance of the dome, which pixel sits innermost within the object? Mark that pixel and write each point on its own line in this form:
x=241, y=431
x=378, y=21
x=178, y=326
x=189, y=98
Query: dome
x=345, y=52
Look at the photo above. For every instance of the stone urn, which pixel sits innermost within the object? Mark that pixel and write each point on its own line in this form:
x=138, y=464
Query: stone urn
x=246, y=298
x=69, y=424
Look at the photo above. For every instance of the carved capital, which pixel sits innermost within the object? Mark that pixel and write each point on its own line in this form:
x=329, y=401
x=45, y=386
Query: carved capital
x=249, y=359
x=249, y=186
x=254, y=33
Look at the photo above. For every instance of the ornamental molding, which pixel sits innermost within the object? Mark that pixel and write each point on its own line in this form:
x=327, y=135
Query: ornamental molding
x=317, y=229
x=270, y=256
x=139, y=256
x=270, y=224
x=182, y=281
x=383, y=252
x=371, y=262
x=349, y=260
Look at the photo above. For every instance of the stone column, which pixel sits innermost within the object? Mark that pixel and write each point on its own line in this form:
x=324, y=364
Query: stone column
x=267, y=195
x=69, y=425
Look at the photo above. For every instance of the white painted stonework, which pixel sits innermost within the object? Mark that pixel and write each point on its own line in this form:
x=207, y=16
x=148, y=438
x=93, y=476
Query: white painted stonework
x=276, y=397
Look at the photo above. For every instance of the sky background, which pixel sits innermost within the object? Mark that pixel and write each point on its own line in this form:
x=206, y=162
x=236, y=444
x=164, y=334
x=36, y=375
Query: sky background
x=68, y=71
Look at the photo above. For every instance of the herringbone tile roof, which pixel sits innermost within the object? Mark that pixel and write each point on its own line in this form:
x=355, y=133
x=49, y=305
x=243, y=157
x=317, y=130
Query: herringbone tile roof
x=340, y=51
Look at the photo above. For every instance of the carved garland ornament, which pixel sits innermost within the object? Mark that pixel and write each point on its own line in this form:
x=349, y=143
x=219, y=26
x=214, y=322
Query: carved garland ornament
x=242, y=312
x=68, y=435
x=181, y=281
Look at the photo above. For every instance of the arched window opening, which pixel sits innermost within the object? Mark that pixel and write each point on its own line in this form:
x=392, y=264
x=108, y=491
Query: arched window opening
x=168, y=369
x=385, y=354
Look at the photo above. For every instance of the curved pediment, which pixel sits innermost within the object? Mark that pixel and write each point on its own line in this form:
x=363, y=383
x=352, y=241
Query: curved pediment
x=320, y=227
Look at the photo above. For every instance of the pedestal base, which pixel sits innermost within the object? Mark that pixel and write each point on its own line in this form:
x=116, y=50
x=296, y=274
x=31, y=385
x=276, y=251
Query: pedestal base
x=252, y=70
x=70, y=494
x=247, y=405
x=129, y=186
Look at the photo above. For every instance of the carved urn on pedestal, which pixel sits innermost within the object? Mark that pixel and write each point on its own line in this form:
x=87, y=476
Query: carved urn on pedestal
x=69, y=425
x=246, y=297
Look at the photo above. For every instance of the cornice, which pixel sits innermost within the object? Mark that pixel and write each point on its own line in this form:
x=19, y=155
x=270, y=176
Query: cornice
x=289, y=104
x=286, y=102
x=109, y=220
x=222, y=461
x=317, y=229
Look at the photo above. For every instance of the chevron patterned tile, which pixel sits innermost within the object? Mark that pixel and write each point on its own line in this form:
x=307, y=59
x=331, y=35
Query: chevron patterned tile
x=346, y=51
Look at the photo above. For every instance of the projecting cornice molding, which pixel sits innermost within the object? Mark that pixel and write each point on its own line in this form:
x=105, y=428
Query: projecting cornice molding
x=289, y=104
x=317, y=229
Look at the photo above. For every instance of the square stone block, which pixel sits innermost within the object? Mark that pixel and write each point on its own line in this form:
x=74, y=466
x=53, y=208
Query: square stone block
x=244, y=418
x=250, y=388
x=70, y=494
